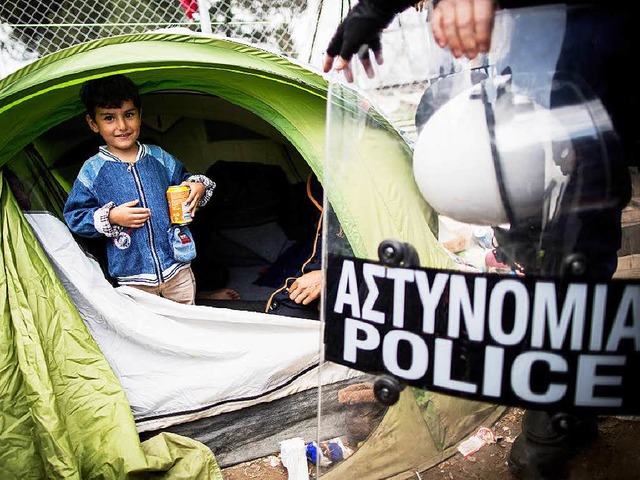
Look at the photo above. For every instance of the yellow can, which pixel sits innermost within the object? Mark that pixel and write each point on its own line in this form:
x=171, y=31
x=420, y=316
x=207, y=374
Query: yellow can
x=177, y=198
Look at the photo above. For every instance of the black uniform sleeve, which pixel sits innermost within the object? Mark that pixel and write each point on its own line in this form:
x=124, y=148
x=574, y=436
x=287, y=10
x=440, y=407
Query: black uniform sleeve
x=363, y=25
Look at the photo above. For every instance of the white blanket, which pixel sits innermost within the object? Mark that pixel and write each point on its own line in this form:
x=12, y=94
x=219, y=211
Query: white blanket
x=177, y=362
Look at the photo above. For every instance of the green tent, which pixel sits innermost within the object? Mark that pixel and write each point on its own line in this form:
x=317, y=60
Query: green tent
x=209, y=101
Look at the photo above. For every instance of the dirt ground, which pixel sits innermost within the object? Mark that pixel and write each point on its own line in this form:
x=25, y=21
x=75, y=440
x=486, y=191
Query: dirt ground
x=613, y=457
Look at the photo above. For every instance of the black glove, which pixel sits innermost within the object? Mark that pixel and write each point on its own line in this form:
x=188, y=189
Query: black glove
x=516, y=247
x=363, y=25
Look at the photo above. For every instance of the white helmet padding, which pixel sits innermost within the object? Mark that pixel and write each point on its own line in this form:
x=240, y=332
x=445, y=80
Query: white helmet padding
x=486, y=156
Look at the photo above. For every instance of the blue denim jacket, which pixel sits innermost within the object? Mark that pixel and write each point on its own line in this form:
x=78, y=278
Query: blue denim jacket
x=136, y=256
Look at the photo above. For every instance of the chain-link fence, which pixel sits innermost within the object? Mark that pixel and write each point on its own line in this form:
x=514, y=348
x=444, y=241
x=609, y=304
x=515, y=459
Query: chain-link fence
x=33, y=28
x=300, y=29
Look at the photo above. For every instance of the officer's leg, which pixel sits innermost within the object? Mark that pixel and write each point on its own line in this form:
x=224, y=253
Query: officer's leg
x=548, y=442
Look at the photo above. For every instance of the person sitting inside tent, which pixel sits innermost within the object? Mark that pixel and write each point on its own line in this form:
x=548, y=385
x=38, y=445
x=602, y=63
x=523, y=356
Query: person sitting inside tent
x=301, y=284
x=118, y=189
x=296, y=274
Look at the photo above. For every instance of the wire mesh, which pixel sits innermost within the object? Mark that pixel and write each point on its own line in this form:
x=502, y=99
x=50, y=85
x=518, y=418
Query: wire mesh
x=300, y=29
x=33, y=28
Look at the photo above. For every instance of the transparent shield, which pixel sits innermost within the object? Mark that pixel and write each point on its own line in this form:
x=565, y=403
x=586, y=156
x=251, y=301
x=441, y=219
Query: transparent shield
x=457, y=278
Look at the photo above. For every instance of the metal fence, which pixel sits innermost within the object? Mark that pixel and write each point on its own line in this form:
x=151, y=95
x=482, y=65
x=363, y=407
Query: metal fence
x=33, y=28
x=300, y=29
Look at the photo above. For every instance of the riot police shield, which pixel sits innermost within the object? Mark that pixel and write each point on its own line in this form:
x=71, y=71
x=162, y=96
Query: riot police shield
x=472, y=228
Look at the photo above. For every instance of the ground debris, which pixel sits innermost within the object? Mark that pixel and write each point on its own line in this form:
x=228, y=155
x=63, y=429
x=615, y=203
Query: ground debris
x=612, y=457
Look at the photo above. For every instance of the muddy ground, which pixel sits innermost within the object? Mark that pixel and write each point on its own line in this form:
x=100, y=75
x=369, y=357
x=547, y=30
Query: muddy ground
x=614, y=456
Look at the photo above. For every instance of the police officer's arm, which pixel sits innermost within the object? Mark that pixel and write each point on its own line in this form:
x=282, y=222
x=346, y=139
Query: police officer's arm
x=464, y=25
x=362, y=27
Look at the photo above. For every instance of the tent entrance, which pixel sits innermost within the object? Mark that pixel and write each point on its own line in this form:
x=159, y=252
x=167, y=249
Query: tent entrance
x=259, y=209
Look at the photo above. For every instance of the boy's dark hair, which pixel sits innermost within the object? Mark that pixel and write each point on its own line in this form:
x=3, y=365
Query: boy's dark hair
x=108, y=92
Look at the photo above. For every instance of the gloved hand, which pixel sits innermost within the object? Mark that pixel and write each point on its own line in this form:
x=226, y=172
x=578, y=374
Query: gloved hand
x=362, y=27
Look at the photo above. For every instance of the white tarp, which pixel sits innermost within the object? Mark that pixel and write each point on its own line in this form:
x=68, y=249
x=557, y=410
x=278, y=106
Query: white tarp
x=179, y=362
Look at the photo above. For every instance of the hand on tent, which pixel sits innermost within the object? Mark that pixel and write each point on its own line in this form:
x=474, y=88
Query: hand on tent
x=464, y=25
x=359, y=33
x=128, y=215
x=306, y=288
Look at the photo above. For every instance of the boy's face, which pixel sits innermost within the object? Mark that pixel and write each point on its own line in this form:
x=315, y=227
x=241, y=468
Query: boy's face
x=119, y=127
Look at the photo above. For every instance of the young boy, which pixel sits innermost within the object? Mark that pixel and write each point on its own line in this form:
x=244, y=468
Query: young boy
x=121, y=193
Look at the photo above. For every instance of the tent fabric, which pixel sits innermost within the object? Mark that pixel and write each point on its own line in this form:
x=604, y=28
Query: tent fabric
x=423, y=426
x=64, y=405
x=64, y=413
x=260, y=81
x=290, y=97
x=179, y=362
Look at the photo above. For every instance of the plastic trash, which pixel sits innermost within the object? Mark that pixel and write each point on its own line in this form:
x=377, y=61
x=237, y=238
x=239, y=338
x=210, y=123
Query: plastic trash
x=474, y=443
x=294, y=457
x=333, y=450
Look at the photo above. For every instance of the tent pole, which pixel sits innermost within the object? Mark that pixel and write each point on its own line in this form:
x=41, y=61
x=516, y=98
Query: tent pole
x=205, y=20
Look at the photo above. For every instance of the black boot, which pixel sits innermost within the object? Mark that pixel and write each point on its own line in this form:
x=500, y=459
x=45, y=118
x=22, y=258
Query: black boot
x=547, y=444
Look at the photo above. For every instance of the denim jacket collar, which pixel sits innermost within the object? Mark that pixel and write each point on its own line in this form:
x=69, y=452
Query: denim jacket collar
x=107, y=155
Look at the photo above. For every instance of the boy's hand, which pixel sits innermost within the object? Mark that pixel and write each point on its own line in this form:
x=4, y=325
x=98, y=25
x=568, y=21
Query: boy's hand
x=196, y=192
x=128, y=215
